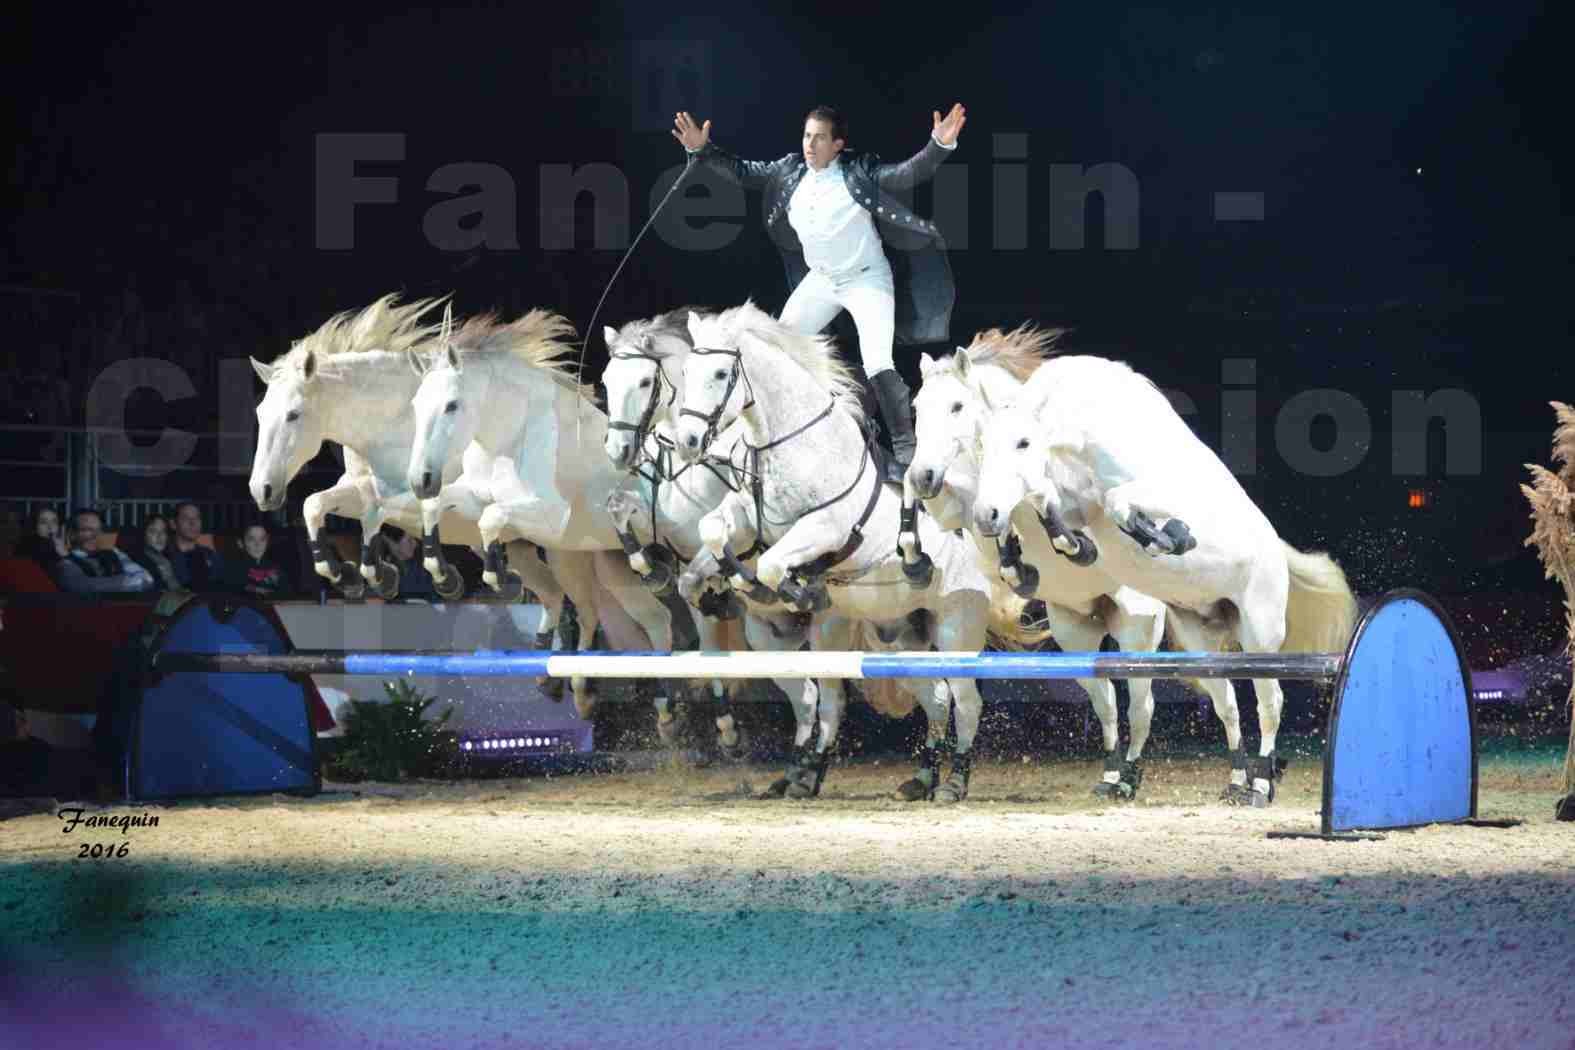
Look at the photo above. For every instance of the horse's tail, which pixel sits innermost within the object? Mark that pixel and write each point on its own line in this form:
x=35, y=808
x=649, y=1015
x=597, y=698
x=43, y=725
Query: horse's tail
x=1008, y=628
x=886, y=698
x=1320, y=613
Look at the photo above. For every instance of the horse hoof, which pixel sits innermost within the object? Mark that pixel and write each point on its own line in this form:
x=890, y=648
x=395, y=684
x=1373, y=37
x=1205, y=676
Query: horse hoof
x=387, y=581
x=914, y=790
x=951, y=792
x=511, y=587
x=551, y=688
x=1261, y=799
x=799, y=789
x=920, y=573
x=777, y=789
x=450, y=588
x=1237, y=795
x=1027, y=584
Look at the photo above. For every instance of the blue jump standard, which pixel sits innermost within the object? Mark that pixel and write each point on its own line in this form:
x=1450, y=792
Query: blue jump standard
x=809, y=664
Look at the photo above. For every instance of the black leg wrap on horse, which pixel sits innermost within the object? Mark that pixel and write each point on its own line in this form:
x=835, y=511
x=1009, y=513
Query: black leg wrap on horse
x=496, y=558
x=955, y=787
x=809, y=596
x=1010, y=552
x=733, y=567
x=320, y=555
x=1034, y=613
x=921, y=570
x=1270, y=767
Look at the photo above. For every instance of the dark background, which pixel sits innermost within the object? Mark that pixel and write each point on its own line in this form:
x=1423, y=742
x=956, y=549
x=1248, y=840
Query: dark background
x=162, y=202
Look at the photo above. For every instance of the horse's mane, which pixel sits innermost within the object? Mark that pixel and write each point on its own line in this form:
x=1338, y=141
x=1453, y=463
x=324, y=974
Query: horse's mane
x=816, y=354
x=675, y=322
x=385, y=325
x=541, y=339
x=1020, y=352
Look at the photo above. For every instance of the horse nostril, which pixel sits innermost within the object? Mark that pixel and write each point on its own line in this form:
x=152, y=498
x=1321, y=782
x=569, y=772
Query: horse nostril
x=426, y=480
x=928, y=478
x=994, y=514
x=267, y=492
x=691, y=441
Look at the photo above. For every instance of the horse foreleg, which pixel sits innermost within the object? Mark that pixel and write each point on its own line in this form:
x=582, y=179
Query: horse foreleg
x=829, y=633
x=526, y=518
x=1145, y=511
x=346, y=498
x=962, y=625
x=651, y=616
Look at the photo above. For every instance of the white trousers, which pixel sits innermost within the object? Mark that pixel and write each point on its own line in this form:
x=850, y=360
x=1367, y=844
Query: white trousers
x=868, y=296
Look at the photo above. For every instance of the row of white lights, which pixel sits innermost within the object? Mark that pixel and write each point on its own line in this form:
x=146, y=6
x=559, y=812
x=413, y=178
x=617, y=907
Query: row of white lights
x=1490, y=694
x=510, y=742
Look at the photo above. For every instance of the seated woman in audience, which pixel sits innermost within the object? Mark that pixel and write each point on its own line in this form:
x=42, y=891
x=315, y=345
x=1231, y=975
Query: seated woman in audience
x=152, y=553
x=46, y=542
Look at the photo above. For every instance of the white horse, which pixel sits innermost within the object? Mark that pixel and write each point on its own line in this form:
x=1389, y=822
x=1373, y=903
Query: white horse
x=642, y=377
x=815, y=496
x=1082, y=604
x=1100, y=454
x=508, y=389
x=351, y=382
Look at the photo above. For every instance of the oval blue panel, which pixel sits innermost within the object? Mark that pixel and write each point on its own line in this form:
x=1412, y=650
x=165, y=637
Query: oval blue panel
x=1402, y=747
x=223, y=734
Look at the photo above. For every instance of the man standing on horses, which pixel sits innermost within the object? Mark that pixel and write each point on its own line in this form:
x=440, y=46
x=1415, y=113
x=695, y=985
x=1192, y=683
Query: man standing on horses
x=849, y=244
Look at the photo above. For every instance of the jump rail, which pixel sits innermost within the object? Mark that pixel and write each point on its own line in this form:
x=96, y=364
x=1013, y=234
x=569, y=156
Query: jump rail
x=505, y=663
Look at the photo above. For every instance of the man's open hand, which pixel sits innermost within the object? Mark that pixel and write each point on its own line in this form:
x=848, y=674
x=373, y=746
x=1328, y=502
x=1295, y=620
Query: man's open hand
x=693, y=136
x=945, y=131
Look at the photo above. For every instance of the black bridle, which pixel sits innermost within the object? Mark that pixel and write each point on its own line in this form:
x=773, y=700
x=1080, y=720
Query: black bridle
x=713, y=419
x=642, y=429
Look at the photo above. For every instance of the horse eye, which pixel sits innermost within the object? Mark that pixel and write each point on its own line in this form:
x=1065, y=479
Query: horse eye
x=720, y=374
x=451, y=407
x=956, y=407
x=1022, y=444
x=292, y=415
x=644, y=383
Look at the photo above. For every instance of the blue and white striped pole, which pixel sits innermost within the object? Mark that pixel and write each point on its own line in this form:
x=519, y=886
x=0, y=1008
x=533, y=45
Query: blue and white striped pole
x=530, y=663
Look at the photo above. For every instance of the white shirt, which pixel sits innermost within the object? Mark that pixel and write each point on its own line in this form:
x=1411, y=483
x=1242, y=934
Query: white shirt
x=839, y=236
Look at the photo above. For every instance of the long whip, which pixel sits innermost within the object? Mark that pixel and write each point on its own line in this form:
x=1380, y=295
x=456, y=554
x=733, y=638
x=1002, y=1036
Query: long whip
x=586, y=342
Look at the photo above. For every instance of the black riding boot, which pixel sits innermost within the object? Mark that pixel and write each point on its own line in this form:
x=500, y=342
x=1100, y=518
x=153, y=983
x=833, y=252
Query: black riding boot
x=896, y=413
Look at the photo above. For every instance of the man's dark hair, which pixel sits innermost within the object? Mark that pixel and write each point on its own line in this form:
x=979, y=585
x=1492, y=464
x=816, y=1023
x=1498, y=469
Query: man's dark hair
x=182, y=505
x=86, y=510
x=834, y=117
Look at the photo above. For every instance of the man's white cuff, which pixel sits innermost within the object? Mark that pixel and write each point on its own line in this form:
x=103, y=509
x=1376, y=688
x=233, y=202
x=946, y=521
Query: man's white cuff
x=941, y=144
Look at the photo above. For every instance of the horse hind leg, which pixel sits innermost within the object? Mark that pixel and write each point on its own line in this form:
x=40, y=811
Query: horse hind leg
x=1264, y=632
x=1135, y=629
x=1193, y=633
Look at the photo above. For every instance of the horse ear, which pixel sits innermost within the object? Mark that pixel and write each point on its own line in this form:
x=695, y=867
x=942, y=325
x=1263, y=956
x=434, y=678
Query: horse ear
x=417, y=363
x=694, y=325
x=609, y=334
x=309, y=365
x=926, y=364
x=452, y=355
x=961, y=364
x=984, y=395
x=265, y=372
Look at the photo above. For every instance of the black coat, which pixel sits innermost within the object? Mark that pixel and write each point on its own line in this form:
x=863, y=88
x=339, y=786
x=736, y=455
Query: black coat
x=917, y=252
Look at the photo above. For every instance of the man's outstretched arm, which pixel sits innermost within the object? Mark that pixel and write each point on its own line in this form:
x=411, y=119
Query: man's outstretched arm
x=923, y=164
x=696, y=139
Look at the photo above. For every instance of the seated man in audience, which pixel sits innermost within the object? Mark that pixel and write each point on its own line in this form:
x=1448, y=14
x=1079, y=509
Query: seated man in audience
x=87, y=570
x=199, y=568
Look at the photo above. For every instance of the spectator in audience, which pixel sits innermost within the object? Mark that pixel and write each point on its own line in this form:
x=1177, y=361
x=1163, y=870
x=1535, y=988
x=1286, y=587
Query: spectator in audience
x=198, y=568
x=414, y=580
x=46, y=543
x=260, y=574
x=87, y=570
x=153, y=553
